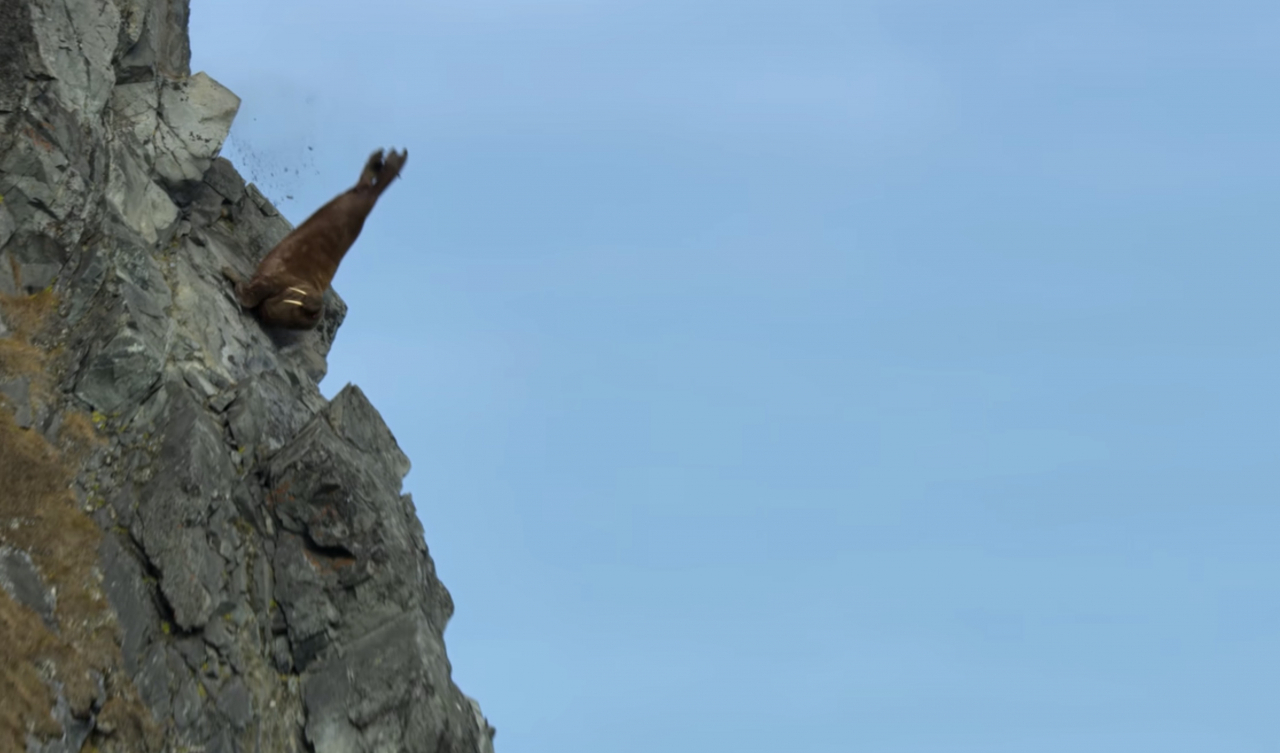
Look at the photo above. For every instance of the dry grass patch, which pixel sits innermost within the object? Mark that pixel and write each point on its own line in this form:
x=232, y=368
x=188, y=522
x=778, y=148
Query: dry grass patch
x=38, y=515
x=77, y=434
x=27, y=699
x=28, y=319
x=28, y=316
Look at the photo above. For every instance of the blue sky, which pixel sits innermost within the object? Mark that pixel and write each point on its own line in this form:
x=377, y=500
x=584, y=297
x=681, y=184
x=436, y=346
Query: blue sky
x=808, y=376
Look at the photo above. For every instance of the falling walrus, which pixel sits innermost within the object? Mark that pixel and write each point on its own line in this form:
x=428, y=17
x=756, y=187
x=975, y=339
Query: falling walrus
x=287, y=289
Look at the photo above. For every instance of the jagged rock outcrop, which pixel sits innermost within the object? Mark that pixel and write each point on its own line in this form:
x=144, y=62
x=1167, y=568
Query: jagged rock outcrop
x=254, y=579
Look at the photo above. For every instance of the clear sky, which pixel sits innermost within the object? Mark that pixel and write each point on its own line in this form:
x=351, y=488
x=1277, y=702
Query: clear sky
x=797, y=376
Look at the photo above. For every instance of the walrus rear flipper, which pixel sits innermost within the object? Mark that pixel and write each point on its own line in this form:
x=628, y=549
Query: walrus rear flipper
x=378, y=172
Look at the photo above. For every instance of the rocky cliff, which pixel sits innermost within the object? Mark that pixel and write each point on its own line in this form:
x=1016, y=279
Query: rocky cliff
x=197, y=551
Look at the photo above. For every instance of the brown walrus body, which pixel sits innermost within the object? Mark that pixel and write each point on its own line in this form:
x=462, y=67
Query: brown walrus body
x=289, y=284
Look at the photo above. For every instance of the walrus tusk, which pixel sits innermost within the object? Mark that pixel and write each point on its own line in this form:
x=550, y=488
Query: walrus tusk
x=299, y=291
x=293, y=303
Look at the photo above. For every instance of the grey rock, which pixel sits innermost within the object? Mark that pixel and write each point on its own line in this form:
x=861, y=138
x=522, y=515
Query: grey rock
x=8, y=280
x=155, y=680
x=335, y=484
x=484, y=742
x=7, y=225
x=84, y=283
x=76, y=40
x=235, y=704
x=30, y=263
x=21, y=580
x=123, y=582
x=136, y=109
x=175, y=506
x=154, y=40
x=192, y=650
x=196, y=380
x=260, y=418
x=222, y=401
x=187, y=704
x=141, y=203
x=221, y=742
x=48, y=169
x=17, y=393
x=37, y=276
x=125, y=368
x=282, y=654
x=122, y=372
x=205, y=205
x=75, y=730
x=223, y=178
x=356, y=421
x=20, y=58
x=354, y=704
x=196, y=115
x=260, y=201
x=262, y=230
x=218, y=633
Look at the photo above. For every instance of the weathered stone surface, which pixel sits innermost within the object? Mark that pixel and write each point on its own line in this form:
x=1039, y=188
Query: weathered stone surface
x=223, y=178
x=8, y=280
x=195, y=117
x=260, y=419
x=76, y=40
x=19, y=55
x=352, y=576
x=136, y=109
x=154, y=39
x=122, y=371
x=124, y=583
x=7, y=224
x=31, y=262
x=205, y=205
x=19, y=577
x=46, y=181
x=271, y=582
x=143, y=205
x=15, y=393
x=76, y=728
x=176, y=507
x=235, y=703
x=355, y=420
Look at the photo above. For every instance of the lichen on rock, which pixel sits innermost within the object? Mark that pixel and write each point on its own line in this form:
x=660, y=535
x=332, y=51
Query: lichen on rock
x=216, y=557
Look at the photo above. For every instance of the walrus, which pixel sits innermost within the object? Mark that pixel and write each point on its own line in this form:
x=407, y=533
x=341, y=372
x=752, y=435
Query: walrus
x=288, y=286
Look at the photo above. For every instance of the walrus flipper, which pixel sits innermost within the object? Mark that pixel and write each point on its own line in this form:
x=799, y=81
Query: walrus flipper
x=248, y=295
x=379, y=172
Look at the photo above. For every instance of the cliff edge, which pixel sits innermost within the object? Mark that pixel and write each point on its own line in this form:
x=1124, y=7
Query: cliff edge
x=197, y=551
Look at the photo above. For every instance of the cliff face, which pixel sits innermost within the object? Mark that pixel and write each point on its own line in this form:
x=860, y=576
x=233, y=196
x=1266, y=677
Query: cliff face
x=197, y=550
